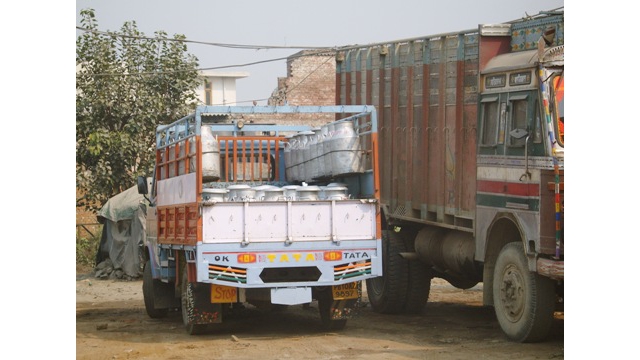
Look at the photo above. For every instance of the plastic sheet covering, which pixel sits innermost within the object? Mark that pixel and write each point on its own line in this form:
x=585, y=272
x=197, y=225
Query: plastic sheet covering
x=124, y=230
x=122, y=206
x=121, y=241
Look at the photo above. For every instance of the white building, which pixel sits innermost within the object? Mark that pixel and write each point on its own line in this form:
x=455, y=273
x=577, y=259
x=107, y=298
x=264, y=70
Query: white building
x=219, y=88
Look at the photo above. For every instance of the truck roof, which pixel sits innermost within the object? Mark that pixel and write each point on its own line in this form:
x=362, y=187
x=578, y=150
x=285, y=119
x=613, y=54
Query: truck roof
x=523, y=60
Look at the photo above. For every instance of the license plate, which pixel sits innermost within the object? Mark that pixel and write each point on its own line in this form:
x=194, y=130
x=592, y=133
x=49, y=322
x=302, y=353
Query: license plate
x=345, y=291
x=223, y=294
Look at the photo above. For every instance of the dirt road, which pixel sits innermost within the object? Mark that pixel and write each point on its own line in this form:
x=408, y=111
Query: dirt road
x=111, y=323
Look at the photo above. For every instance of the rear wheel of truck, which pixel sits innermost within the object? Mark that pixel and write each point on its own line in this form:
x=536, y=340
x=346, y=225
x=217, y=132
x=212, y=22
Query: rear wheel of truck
x=188, y=300
x=524, y=301
x=387, y=293
x=325, y=301
x=419, y=279
x=148, y=284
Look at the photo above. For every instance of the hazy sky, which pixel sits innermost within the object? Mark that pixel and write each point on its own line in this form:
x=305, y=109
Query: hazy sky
x=298, y=23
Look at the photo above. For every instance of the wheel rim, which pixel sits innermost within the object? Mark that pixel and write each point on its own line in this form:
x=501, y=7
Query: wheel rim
x=512, y=293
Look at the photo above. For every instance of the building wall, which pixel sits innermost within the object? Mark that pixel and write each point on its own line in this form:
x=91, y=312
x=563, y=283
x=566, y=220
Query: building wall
x=310, y=80
x=222, y=87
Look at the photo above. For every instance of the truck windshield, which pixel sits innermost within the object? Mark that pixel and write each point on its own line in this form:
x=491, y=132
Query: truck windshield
x=558, y=105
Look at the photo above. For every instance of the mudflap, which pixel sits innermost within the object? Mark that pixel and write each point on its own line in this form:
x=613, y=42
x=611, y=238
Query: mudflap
x=200, y=309
x=343, y=309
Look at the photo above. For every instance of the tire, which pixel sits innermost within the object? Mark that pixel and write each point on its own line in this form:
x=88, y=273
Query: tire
x=387, y=293
x=524, y=301
x=418, y=279
x=187, y=300
x=148, y=284
x=325, y=300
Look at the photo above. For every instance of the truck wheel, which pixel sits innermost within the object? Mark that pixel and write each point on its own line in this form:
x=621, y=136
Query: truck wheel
x=387, y=293
x=418, y=287
x=148, y=284
x=188, y=301
x=325, y=300
x=419, y=279
x=524, y=301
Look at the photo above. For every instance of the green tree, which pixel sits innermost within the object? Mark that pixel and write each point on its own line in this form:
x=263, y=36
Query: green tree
x=126, y=85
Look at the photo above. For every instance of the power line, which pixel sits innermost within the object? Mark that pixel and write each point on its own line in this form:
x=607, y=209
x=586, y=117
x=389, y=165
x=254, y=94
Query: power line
x=319, y=51
x=232, y=46
x=311, y=53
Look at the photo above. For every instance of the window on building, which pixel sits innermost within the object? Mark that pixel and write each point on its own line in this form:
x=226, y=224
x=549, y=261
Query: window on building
x=207, y=92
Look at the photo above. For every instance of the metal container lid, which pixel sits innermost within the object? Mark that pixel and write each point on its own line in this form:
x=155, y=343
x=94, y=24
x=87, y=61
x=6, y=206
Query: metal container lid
x=215, y=191
x=238, y=187
x=308, y=188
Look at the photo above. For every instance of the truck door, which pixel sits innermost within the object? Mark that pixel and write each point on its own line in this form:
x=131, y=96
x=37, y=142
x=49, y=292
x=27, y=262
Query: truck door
x=501, y=114
x=523, y=114
x=493, y=110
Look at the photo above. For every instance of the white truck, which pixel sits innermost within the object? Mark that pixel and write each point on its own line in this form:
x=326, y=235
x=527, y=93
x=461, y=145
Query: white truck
x=262, y=214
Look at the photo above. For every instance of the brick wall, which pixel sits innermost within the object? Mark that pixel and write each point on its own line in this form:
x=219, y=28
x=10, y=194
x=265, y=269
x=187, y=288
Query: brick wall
x=310, y=81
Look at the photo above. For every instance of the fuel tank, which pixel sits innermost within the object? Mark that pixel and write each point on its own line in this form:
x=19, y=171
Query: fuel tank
x=451, y=253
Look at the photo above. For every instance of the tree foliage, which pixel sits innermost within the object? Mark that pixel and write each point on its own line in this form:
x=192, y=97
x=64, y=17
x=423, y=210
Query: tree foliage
x=126, y=85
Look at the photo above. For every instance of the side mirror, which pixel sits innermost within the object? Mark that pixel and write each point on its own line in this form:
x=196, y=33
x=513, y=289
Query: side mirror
x=142, y=186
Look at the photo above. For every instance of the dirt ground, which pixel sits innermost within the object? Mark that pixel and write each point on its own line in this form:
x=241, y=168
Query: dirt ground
x=111, y=323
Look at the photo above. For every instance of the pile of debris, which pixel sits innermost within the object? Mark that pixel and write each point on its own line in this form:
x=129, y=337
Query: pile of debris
x=105, y=271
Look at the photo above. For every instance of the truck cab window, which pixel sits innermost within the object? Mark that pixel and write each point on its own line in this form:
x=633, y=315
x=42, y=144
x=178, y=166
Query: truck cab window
x=519, y=106
x=537, y=128
x=489, y=121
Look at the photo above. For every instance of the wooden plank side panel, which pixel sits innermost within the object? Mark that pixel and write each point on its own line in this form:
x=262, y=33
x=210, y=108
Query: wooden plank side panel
x=416, y=132
x=409, y=138
x=424, y=136
x=470, y=118
x=179, y=224
x=399, y=151
x=426, y=94
x=417, y=158
x=453, y=127
x=404, y=190
x=437, y=180
x=386, y=136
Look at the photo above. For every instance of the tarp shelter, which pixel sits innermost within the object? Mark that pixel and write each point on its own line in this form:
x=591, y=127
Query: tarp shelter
x=123, y=232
